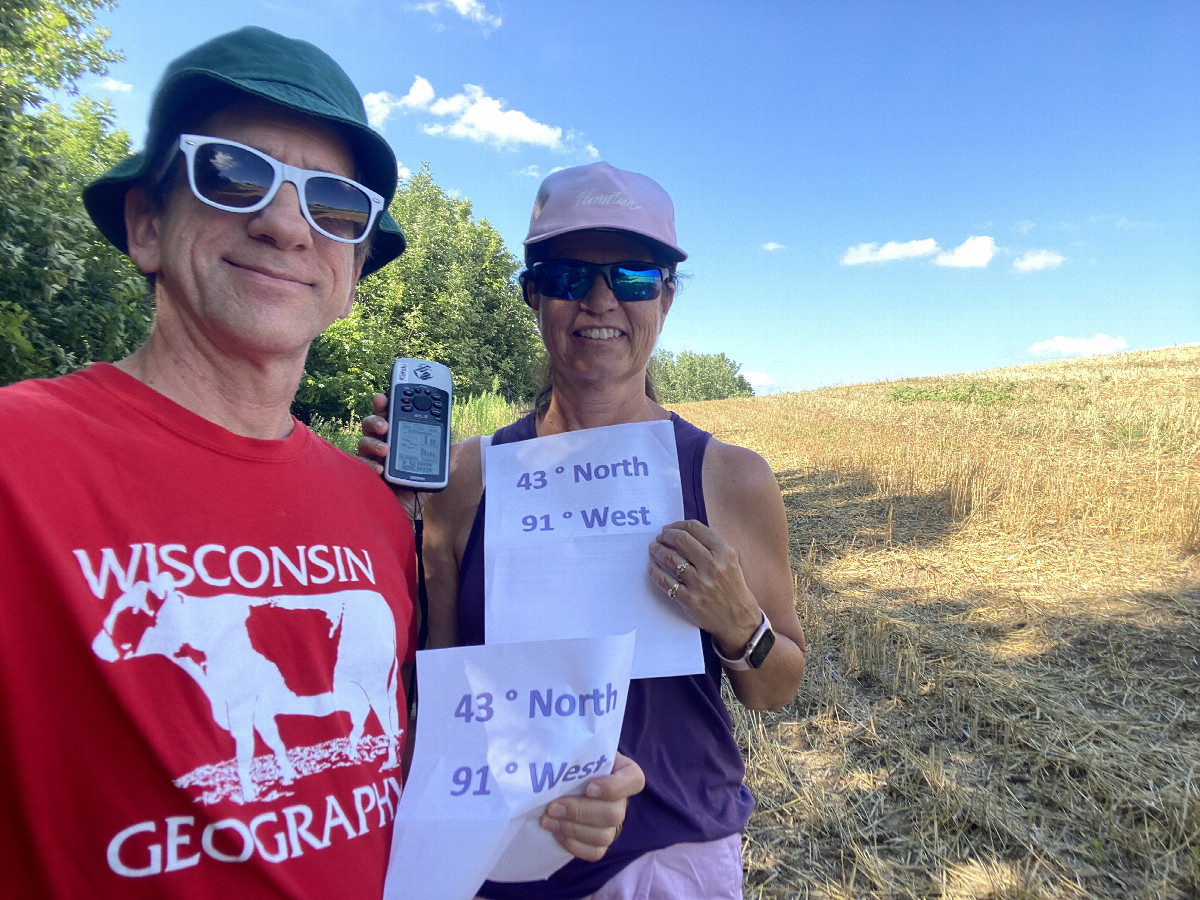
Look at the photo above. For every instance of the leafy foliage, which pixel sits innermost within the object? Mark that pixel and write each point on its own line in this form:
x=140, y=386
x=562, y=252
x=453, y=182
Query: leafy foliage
x=452, y=297
x=687, y=376
x=69, y=297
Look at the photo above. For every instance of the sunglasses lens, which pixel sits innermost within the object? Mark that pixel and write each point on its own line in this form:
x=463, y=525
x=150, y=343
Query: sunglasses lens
x=572, y=281
x=563, y=282
x=339, y=209
x=632, y=285
x=231, y=177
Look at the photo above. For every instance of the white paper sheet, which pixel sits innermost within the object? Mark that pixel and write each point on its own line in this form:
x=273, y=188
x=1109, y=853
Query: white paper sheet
x=503, y=730
x=569, y=519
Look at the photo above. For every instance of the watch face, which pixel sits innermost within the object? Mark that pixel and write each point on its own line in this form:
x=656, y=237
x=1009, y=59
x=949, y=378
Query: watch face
x=759, y=654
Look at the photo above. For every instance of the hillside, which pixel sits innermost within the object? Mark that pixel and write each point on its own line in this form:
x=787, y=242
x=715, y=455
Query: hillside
x=999, y=574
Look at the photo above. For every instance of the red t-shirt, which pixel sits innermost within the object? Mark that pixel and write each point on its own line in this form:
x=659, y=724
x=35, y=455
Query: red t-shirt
x=201, y=637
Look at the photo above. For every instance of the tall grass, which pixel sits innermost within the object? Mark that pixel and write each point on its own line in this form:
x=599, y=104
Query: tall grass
x=481, y=414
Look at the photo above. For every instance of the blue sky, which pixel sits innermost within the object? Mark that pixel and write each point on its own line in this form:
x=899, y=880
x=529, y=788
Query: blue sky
x=870, y=190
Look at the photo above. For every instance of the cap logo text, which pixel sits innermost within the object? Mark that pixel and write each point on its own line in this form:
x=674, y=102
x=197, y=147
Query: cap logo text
x=616, y=198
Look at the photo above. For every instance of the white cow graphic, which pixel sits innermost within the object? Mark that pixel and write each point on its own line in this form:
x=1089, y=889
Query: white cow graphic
x=208, y=638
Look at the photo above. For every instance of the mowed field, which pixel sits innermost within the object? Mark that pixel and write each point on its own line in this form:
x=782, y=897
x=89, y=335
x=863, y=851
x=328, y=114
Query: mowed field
x=999, y=574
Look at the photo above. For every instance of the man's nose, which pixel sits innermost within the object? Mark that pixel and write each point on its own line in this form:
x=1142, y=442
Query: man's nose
x=281, y=221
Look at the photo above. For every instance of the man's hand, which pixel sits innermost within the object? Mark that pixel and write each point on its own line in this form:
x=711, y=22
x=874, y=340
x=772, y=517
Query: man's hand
x=587, y=826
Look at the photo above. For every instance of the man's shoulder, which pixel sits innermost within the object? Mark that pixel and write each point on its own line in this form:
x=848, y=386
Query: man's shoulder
x=47, y=396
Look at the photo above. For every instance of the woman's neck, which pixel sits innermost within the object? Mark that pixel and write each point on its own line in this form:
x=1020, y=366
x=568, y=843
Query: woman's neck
x=572, y=411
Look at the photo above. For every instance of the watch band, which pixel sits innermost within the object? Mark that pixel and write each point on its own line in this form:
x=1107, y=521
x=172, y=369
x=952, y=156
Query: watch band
x=755, y=651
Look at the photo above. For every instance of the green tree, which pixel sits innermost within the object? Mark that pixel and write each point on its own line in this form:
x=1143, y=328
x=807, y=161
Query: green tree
x=68, y=297
x=687, y=376
x=452, y=297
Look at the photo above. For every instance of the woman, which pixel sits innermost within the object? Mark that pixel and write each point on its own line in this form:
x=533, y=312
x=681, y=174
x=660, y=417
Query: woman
x=601, y=255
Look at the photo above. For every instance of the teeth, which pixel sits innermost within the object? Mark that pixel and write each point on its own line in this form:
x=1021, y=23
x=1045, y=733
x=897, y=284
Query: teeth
x=599, y=334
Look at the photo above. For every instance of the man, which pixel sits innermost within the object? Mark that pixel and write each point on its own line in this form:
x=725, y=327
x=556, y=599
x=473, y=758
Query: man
x=207, y=616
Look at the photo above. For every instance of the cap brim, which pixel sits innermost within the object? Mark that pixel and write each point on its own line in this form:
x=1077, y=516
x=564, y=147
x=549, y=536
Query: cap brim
x=673, y=253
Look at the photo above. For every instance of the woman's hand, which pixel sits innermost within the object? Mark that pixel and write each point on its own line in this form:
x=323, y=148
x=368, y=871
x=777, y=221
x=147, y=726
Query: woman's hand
x=729, y=574
x=587, y=826
x=702, y=573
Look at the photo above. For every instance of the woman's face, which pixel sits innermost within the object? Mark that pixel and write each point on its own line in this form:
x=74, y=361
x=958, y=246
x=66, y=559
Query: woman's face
x=598, y=339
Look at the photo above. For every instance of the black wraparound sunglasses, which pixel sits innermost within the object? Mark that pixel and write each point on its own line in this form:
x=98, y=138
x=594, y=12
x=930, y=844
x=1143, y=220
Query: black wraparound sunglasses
x=237, y=178
x=571, y=279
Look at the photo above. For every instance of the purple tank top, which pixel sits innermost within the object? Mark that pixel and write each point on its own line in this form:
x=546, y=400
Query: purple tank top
x=676, y=728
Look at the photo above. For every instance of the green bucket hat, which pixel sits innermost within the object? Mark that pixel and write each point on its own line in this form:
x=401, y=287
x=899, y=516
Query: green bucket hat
x=257, y=63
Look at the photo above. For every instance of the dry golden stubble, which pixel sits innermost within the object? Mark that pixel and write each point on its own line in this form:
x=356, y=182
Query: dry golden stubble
x=1000, y=581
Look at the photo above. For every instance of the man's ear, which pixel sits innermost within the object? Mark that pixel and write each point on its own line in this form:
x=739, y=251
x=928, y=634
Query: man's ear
x=142, y=229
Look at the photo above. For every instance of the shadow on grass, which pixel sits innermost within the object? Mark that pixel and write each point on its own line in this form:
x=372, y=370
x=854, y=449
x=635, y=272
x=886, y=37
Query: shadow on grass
x=1048, y=751
x=838, y=513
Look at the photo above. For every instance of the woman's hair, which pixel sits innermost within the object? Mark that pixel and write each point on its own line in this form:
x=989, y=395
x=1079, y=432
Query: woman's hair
x=536, y=253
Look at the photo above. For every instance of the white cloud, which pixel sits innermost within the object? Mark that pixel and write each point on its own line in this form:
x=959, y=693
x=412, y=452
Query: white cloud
x=892, y=250
x=771, y=246
x=1024, y=226
x=381, y=104
x=471, y=10
x=117, y=87
x=403, y=172
x=761, y=382
x=1096, y=345
x=973, y=253
x=475, y=12
x=1038, y=261
x=473, y=115
x=477, y=117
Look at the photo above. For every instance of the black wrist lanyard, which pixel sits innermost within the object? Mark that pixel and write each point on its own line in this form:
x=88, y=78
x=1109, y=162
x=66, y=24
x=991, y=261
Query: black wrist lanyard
x=422, y=602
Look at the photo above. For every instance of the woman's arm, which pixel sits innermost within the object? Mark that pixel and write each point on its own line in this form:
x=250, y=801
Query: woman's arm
x=448, y=518
x=738, y=569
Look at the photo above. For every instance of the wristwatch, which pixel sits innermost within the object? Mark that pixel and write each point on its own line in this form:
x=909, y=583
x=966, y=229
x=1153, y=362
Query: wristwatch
x=755, y=652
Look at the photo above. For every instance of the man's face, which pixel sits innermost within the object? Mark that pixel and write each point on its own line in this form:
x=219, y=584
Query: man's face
x=260, y=285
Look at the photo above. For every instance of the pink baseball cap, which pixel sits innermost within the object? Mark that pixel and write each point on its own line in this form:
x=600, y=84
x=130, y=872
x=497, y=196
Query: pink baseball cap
x=602, y=197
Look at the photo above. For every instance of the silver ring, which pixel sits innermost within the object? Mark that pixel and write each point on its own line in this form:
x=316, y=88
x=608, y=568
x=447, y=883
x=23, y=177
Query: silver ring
x=674, y=588
x=681, y=568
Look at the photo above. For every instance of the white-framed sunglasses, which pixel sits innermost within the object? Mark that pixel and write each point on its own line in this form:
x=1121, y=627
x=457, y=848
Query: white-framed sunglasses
x=236, y=178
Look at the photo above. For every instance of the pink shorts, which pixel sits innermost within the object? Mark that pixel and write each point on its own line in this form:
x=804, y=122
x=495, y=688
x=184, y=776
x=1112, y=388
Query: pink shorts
x=707, y=871
x=704, y=871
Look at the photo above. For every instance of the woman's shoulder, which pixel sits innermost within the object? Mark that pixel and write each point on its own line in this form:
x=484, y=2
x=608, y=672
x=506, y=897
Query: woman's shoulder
x=739, y=465
x=466, y=464
x=465, y=486
x=741, y=494
x=737, y=478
